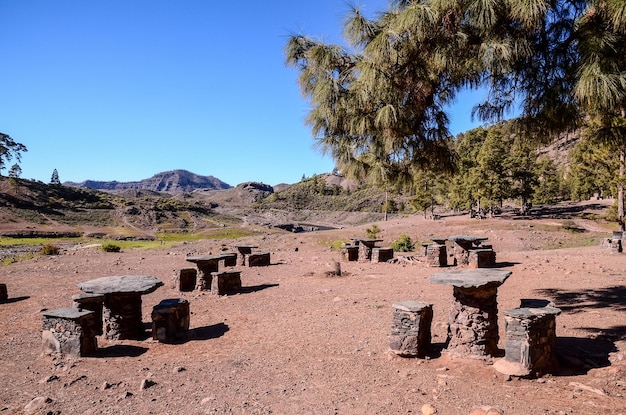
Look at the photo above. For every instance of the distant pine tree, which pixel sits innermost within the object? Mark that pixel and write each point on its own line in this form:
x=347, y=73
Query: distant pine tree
x=55, y=178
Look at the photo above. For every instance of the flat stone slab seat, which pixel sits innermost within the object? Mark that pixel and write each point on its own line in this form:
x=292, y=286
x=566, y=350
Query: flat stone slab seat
x=91, y=302
x=437, y=255
x=122, y=303
x=481, y=258
x=185, y=279
x=530, y=347
x=382, y=254
x=350, y=252
x=4, y=294
x=410, y=329
x=69, y=331
x=259, y=259
x=473, y=317
x=226, y=282
x=170, y=320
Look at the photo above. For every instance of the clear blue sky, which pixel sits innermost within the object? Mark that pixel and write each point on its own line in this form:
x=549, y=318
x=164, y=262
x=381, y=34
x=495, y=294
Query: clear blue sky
x=124, y=89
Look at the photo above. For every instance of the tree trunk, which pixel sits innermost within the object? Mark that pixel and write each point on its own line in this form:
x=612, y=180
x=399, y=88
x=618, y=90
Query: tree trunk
x=620, y=190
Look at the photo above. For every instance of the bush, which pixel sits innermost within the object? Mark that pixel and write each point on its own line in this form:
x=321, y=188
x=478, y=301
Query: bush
x=111, y=248
x=372, y=232
x=403, y=244
x=49, y=249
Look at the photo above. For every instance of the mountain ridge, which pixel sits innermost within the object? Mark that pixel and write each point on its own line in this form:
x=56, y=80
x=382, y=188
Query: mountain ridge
x=172, y=181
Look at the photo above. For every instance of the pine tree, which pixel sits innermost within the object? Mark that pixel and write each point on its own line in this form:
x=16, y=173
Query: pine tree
x=54, y=180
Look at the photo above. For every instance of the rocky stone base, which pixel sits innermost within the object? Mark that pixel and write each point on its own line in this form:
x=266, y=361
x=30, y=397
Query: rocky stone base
x=436, y=255
x=170, y=320
x=410, y=330
x=69, y=331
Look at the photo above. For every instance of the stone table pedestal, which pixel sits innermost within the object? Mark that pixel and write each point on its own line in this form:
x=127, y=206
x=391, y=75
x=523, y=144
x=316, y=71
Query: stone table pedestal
x=122, y=303
x=473, y=317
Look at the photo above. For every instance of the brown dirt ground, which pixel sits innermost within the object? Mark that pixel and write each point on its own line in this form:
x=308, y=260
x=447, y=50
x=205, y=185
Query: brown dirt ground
x=297, y=341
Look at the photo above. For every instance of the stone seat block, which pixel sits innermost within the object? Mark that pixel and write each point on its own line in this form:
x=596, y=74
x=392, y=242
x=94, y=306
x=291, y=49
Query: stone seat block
x=410, y=329
x=382, y=254
x=226, y=282
x=170, y=319
x=91, y=302
x=186, y=279
x=259, y=259
x=4, y=294
x=350, y=252
x=436, y=255
x=70, y=331
x=481, y=258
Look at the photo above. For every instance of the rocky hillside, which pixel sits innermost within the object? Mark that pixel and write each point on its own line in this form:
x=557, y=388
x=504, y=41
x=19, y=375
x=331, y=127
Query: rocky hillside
x=175, y=181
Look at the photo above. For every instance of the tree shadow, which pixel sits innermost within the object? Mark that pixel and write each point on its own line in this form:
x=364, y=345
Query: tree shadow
x=578, y=355
x=15, y=299
x=205, y=333
x=572, y=301
x=120, y=350
x=255, y=288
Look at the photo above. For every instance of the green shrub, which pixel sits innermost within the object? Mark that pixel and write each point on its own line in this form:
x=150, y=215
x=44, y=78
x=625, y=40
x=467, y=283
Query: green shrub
x=49, y=249
x=111, y=248
x=403, y=244
x=372, y=232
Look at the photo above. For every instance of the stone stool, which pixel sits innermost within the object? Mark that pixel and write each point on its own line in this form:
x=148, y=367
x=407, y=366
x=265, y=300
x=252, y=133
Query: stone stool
x=530, y=348
x=226, y=282
x=170, y=319
x=69, y=331
x=410, y=330
x=4, y=294
x=350, y=252
x=380, y=254
x=186, y=279
x=481, y=258
x=91, y=302
x=437, y=255
x=259, y=259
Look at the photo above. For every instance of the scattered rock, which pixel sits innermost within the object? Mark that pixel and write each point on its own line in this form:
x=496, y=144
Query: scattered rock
x=428, y=409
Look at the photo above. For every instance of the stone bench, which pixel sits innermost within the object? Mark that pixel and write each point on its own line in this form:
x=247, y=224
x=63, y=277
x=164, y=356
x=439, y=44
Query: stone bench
x=4, y=294
x=382, y=254
x=186, y=279
x=259, y=259
x=170, y=319
x=350, y=252
x=91, y=302
x=530, y=347
x=410, y=329
x=437, y=255
x=226, y=282
x=481, y=258
x=69, y=331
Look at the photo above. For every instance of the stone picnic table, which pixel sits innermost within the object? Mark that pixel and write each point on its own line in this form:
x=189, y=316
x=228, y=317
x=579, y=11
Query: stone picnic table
x=244, y=251
x=206, y=265
x=366, y=245
x=473, y=317
x=462, y=245
x=122, y=303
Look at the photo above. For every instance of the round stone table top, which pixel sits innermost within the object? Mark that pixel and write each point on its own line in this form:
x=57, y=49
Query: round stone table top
x=124, y=284
x=471, y=278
